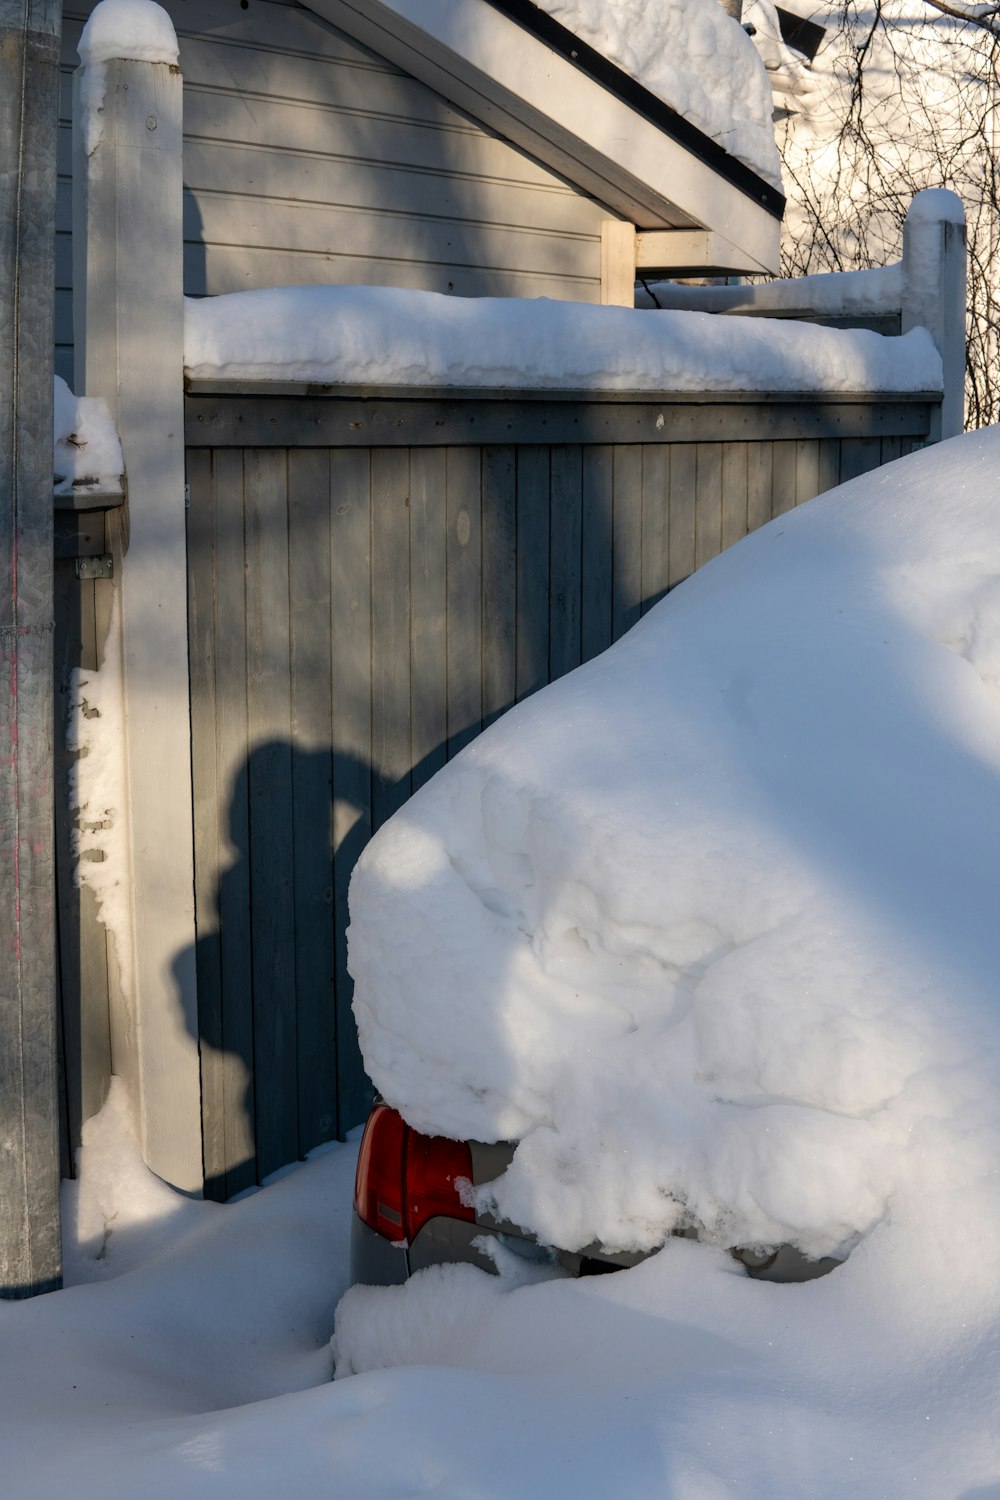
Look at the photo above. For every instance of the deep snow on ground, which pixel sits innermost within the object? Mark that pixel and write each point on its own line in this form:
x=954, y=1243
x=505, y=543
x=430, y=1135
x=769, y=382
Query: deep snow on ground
x=828, y=790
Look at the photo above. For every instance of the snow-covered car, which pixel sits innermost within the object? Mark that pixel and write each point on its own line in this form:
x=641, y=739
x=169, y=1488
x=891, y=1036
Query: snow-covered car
x=707, y=928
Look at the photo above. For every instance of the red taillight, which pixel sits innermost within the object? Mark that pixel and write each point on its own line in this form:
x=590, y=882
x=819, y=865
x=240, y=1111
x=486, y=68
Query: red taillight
x=405, y=1178
x=433, y=1165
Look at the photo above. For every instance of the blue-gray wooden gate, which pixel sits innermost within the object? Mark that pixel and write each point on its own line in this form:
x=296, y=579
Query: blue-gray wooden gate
x=371, y=583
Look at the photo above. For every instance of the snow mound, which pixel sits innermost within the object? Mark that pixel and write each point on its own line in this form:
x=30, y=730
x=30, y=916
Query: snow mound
x=694, y=57
x=384, y=336
x=87, y=454
x=708, y=926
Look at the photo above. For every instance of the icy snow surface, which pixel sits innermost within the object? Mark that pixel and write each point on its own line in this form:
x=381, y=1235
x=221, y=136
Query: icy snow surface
x=86, y=452
x=695, y=57
x=188, y=1360
x=708, y=925
x=384, y=336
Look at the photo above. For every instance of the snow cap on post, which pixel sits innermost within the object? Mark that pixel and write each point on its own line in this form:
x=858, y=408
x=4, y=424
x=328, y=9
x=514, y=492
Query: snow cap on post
x=135, y=29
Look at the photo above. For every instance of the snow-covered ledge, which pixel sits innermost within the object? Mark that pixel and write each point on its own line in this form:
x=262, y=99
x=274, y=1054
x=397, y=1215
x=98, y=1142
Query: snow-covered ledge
x=127, y=247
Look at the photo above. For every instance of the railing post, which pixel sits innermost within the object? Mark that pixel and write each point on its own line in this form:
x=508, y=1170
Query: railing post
x=30, y=1253
x=128, y=316
x=934, y=274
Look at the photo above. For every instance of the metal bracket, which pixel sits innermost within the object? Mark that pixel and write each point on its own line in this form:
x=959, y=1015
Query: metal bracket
x=95, y=567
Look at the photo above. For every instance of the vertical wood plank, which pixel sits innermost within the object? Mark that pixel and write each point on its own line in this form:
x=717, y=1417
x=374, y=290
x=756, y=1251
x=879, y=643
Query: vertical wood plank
x=596, y=546
x=783, y=478
x=735, y=491
x=655, y=523
x=565, y=555
x=202, y=634
x=760, y=483
x=270, y=767
x=807, y=483
x=828, y=476
x=465, y=579
x=532, y=569
x=499, y=581
x=350, y=629
x=683, y=484
x=626, y=599
x=312, y=792
x=859, y=456
x=617, y=263
x=892, y=448
x=232, y=872
x=428, y=614
x=390, y=488
x=708, y=503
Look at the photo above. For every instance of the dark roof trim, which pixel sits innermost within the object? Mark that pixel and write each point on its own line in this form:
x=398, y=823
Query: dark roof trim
x=805, y=36
x=596, y=66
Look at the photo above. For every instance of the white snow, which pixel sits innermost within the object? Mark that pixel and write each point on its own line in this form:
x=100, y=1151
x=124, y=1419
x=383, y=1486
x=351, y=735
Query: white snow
x=98, y=794
x=383, y=336
x=835, y=293
x=694, y=57
x=87, y=455
x=137, y=30
x=820, y=714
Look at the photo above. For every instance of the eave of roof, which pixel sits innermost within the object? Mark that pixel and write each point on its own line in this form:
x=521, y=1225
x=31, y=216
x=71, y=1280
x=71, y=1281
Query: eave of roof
x=645, y=164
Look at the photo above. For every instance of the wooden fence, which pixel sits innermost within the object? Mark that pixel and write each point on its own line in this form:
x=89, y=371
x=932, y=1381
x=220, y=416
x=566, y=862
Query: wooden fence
x=370, y=583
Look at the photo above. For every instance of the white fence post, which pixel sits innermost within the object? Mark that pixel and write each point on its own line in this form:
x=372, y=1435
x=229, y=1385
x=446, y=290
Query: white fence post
x=128, y=314
x=933, y=296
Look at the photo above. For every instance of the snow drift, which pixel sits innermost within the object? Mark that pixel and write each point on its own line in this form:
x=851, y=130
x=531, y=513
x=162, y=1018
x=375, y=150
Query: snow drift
x=709, y=926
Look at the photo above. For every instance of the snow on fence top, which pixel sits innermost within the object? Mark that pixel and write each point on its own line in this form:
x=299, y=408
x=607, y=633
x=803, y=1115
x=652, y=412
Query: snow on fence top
x=694, y=57
x=383, y=336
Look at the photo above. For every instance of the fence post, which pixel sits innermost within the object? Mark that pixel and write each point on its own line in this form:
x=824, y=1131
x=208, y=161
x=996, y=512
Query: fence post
x=30, y=1252
x=128, y=327
x=934, y=275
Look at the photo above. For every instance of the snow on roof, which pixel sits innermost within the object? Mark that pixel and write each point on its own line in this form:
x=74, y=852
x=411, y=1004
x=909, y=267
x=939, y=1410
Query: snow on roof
x=393, y=337
x=694, y=57
x=708, y=925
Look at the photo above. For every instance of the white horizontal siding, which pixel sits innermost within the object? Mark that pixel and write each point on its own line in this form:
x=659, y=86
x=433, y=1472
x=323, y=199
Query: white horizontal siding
x=308, y=159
